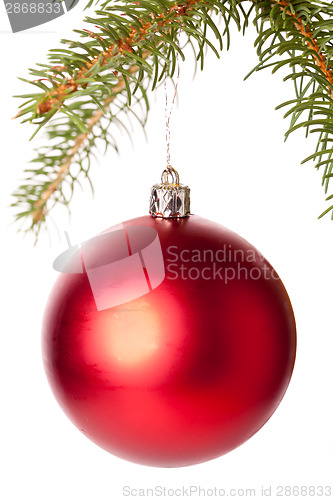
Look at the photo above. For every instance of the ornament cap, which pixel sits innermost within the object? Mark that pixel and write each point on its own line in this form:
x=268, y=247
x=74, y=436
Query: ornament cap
x=169, y=199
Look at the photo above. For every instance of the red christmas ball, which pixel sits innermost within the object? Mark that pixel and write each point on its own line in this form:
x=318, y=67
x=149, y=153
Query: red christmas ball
x=168, y=342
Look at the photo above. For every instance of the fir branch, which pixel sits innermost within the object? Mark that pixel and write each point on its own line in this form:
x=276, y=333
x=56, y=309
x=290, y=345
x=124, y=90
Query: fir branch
x=311, y=42
x=38, y=214
x=135, y=46
x=88, y=87
x=302, y=34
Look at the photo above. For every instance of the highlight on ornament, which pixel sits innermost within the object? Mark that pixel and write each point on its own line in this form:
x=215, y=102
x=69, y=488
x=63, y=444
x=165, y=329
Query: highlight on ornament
x=168, y=367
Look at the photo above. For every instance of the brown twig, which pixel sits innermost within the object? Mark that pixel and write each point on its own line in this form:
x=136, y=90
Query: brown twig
x=40, y=205
x=56, y=96
x=311, y=42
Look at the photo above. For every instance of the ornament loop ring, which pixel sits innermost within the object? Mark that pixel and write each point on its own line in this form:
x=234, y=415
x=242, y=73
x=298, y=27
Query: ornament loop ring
x=174, y=176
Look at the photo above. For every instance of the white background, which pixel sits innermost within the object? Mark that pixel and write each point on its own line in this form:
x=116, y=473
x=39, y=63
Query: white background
x=227, y=143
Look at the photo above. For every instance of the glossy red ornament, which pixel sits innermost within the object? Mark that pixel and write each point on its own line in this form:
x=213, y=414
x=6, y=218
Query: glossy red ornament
x=188, y=370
